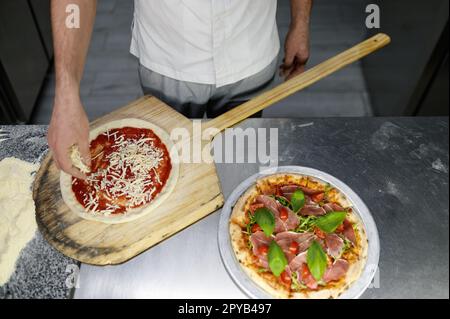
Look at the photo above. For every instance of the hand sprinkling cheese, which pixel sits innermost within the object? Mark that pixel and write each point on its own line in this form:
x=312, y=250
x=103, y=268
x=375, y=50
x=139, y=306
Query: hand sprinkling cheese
x=126, y=182
x=75, y=157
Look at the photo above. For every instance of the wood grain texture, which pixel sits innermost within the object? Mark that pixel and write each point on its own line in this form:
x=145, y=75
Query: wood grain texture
x=196, y=195
x=299, y=82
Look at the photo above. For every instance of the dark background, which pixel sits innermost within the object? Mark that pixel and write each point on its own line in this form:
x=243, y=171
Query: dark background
x=409, y=77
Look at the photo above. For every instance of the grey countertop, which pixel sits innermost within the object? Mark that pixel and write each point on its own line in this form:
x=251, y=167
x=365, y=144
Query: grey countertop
x=398, y=166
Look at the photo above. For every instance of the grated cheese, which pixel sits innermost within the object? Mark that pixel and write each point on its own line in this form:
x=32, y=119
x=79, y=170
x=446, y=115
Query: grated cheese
x=136, y=158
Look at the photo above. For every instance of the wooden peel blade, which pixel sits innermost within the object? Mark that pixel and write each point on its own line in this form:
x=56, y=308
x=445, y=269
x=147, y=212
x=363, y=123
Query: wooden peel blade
x=298, y=83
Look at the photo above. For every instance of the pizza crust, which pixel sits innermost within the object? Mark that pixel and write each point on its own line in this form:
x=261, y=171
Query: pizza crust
x=135, y=213
x=264, y=280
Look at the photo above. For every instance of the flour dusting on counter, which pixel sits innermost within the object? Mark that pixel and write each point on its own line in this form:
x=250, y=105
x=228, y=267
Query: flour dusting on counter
x=17, y=213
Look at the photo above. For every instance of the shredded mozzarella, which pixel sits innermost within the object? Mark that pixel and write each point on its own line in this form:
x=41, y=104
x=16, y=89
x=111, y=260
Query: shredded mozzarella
x=126, y=180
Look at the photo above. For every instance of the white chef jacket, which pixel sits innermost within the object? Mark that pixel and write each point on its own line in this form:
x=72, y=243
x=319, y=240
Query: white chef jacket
x=205, y=41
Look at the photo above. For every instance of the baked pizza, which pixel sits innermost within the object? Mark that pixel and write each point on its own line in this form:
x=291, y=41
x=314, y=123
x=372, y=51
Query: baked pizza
x=298, y=237
x=134, y=167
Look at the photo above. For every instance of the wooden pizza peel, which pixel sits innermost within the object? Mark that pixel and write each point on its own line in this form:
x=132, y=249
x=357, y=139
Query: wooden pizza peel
x=197, y=192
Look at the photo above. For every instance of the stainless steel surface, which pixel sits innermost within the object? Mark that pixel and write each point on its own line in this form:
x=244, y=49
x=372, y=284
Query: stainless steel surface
x=185, y=266
x=251, y=288
x=386, y=160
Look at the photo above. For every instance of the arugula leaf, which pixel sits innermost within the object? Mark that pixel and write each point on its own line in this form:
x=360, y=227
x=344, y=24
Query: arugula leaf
x=251, y=222
x=306, y=224
x=316, y=260
x=327, y=190
x=295, y=284
x=277, y=259
x=261, y=270
x=265, y=219
x=283, y=201
x=329, y=222
x=251, y=219
x=347, y=245
x=297, y=200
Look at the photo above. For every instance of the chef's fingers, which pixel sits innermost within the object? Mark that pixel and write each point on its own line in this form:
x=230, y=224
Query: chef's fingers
x=85, y=153
x=288, y=59
x=285, y=71
x=75, y=172
x=296, y=71
x=66, y=165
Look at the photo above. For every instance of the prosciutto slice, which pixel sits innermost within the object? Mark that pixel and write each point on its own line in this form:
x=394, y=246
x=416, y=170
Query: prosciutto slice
x=285, y=239
x=312, y=210
x=296, y=265
x=334, y=245
x=336, y=271
x=333, y=207
x=288, y=190
x=333, y=273
x=258, y=239
x=349, y=232
x=274, y=206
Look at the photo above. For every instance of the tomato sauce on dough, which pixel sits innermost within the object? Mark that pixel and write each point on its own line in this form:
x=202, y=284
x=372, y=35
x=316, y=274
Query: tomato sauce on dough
x=98, y=186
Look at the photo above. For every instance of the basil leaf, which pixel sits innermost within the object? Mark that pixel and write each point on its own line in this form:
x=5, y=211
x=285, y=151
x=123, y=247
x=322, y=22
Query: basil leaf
x=297, y=200
x=265, y=219
x=316, y=260
x=329, y=222
x=277, y=259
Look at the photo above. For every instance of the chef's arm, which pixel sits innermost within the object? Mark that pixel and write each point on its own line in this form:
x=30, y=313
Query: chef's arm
x=301, y=13
x=71, y=44
x=297, y=40
x=69, y=124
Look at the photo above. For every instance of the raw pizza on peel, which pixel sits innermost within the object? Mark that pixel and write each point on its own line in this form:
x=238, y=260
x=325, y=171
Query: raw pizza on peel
x=298, y=237
x=133, y=170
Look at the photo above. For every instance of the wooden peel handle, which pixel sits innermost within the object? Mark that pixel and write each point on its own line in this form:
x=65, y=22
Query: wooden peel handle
x=299, y=82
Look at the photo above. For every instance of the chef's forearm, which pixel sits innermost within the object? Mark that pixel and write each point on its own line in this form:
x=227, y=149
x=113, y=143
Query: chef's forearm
x=300, y=13
x=71, y=44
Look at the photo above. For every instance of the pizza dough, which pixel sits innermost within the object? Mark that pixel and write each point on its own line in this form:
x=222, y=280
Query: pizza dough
x=17, y=213
x=245, y=256
x=135, y=213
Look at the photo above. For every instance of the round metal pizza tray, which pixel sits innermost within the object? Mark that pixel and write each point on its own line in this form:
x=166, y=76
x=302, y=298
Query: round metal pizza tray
x=247, y=285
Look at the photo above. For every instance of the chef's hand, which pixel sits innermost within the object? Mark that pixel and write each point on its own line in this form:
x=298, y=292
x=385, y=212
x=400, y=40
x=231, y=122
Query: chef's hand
x=296, y=52
x=69, y=125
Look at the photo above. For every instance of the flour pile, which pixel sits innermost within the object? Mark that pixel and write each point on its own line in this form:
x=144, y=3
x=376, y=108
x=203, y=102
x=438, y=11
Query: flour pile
x=17, y=212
